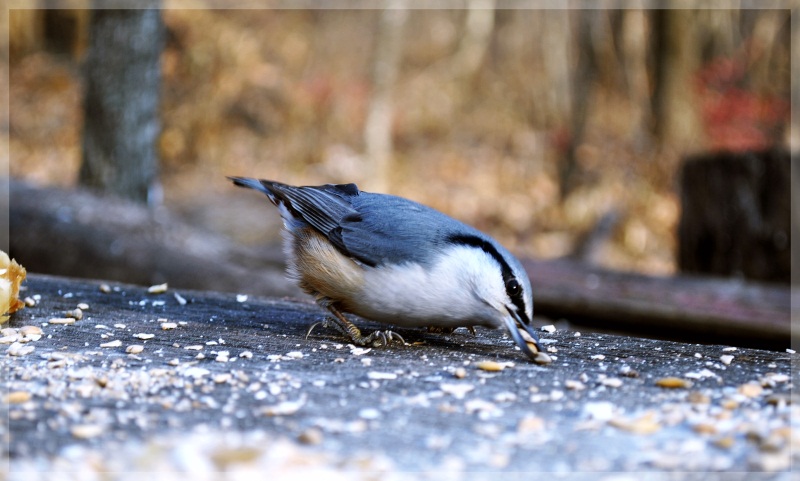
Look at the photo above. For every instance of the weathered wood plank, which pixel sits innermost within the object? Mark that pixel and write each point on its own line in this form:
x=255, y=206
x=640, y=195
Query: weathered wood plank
x=278, y=402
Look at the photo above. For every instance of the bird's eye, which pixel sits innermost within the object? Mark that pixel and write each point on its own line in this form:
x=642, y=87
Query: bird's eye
x=513, y=288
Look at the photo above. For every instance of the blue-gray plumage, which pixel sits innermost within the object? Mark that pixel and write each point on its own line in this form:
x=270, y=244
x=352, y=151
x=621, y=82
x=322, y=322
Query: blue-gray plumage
x=396, y=261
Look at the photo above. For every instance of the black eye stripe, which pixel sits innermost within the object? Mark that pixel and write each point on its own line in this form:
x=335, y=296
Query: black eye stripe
x=508, y=275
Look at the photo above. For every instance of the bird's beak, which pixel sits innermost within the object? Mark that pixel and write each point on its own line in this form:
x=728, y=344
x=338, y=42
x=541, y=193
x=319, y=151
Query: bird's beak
x=513, y=323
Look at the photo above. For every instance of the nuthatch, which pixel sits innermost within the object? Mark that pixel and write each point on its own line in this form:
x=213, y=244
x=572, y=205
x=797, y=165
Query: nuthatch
x=395, y=261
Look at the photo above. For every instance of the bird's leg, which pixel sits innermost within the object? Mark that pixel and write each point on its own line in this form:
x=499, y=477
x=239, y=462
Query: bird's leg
x=347, y=328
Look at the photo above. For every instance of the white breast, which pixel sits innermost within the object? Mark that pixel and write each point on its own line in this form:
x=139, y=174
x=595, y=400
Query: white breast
x=455, y=291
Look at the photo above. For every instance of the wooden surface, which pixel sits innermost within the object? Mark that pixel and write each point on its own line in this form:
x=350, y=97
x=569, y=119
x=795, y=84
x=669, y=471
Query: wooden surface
x=281, y=404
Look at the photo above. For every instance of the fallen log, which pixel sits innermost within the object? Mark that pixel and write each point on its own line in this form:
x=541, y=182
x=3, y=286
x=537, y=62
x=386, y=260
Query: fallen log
x=691, y=309
x=76, y=233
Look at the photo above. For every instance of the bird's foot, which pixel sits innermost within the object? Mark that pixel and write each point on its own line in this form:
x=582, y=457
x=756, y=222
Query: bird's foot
x=348, y=329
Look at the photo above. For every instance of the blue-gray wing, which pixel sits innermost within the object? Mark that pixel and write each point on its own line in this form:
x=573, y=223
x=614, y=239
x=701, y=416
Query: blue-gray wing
x=395, y=230
x=371, y=228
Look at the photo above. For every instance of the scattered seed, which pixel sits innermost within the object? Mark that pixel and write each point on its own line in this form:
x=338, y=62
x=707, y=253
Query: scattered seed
x=120, y=326
x=311, y=436
x=574, y=385
x=644, y=424
x=246, y=355
x=460, y=373
x=114, y=343
x=157, y=289
x=611, y=382
x=29, y=301
x=358, y=351
x=458, y=391
x=750, y=389
x=144, y=336
x=76, y=314
x=726, y=359
x=549, y=328
x=195, y=347
x=173, y=362
x=18, y=349
x=179, y=298
x=9, y=339
x=134, y=349
x=598, y=357
x=222, y=356
x=673, y=383
x=505, y=397
x=168, y=325
x=492, y=366
x=369, y=413
x=729, y=404
x=704, y=428
x=241, y=297
x=542, y=358
x=528, y=338
x=294, y=355
x=18, y=397
x=696, y=397
x=530, y=424
x=29, y=331
x=779, y=399
x=86, y=431
x=62, y=320
x=285, y=408
x=56, y=364
x=222, y=378
x=105, y=288
x=195, y=372
x=728, y=349
x=725, y=442
x=381, y=375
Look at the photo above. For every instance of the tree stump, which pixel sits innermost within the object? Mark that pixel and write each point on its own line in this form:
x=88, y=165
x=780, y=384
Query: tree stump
x=735, y=215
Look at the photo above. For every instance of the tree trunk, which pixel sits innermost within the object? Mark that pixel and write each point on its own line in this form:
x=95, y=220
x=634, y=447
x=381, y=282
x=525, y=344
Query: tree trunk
x=582, y=83
x=474, y=43
x=735, y=219
x=378, y=128
x=676, y=55
x=121, y=106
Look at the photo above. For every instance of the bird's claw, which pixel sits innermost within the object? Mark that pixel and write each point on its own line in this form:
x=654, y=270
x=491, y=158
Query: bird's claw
x=377, y=338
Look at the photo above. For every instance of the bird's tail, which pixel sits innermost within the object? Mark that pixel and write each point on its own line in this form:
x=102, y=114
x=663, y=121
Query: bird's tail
x=265, y=186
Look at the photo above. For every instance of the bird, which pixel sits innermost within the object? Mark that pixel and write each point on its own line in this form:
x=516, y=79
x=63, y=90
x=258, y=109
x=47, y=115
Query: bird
x=398, y=262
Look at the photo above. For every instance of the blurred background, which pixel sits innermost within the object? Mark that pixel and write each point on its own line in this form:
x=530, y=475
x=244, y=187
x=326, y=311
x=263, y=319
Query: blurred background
x=560, y=132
